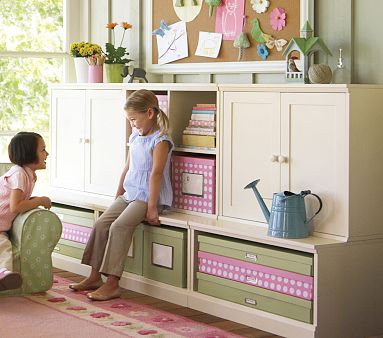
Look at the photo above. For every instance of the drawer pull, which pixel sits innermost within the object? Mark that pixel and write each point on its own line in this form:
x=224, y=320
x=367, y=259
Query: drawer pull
x=56, y=248
x=251, y=256
x=250, y=301
x=252, y=280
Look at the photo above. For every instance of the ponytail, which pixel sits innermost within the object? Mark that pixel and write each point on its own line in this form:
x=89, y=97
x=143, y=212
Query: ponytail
x=162, y=121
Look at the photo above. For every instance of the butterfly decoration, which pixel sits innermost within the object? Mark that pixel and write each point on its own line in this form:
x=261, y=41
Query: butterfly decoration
x=277, y=43
x=161, y=31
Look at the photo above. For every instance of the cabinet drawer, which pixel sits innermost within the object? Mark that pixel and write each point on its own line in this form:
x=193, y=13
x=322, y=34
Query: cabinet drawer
x=133, y=262
x=267, y=255
x=257, y=298
x=69, y=248
x=165, y=255
x=74, y=215
x=75, y=233
x=286, y=282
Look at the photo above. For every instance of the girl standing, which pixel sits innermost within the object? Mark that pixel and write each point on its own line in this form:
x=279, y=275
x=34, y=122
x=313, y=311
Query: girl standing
x=27, y=151
x=143, y=191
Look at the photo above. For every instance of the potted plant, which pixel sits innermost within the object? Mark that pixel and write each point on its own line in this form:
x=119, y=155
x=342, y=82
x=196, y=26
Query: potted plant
x=116, y=57
x=81, y=51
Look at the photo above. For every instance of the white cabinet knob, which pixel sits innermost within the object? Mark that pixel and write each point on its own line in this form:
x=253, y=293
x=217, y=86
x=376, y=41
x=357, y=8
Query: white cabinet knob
x=274, y=158
x=282, y=159
x=87, y=140
x=80, y=140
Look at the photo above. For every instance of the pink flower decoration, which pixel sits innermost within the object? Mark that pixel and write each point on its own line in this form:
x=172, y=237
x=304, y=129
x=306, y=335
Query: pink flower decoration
x=57, y=299
x=76, y=308
x=162, y=320
x=99, y=314
x=278, y=18
x=146, y=332
x=121, y=323
x=120, y=306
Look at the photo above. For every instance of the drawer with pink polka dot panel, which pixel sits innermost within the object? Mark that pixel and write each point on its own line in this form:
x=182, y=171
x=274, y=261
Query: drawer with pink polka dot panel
x=262, y=254
x=278, y=280
x=194, y=183
x=77, y=225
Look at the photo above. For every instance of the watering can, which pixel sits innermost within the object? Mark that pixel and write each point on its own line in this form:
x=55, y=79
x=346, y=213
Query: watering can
x=287, y=218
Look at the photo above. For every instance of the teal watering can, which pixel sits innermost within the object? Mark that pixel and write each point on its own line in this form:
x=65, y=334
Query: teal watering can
x=287, y=218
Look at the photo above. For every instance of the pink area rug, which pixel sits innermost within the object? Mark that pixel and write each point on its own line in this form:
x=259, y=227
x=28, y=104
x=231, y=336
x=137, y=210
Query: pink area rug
x=61, y=312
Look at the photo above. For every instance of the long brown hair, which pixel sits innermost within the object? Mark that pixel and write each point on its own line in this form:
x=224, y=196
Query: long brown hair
x=141, y=100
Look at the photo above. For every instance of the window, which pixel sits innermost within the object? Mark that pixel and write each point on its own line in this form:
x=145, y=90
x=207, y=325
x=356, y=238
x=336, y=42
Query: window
x=32, y=56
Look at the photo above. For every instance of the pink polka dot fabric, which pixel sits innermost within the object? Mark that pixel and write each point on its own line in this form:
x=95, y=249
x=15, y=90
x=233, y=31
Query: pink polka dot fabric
x=202, y=173
x=286, y=282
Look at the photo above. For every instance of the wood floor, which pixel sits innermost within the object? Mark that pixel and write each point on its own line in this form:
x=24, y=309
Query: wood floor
x=197, y=316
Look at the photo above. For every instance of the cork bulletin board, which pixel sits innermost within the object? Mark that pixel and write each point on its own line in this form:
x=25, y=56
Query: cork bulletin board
x=298, y=11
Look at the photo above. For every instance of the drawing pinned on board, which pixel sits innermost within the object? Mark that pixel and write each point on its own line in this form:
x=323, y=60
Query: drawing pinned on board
x=209, y=44
x=229, y=20
x=172, y=42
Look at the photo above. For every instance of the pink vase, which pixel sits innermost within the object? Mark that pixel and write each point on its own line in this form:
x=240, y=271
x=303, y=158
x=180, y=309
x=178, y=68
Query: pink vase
x=95, y=74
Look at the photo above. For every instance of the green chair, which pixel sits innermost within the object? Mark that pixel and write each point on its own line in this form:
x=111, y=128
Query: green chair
x=34, y=235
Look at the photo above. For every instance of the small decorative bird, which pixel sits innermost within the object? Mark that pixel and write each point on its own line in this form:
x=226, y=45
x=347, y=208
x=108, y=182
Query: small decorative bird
x=292, y=66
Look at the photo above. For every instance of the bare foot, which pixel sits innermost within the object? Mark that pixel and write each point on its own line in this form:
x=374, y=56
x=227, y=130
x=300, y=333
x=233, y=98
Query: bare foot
x=87, y=284
x=107, y=291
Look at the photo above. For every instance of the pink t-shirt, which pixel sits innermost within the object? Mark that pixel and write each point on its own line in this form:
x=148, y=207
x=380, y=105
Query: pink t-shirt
x=17, y=177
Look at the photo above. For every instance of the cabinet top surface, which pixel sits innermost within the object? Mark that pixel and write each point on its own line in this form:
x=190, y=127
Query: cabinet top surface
x=136, y=86
x=282, y=87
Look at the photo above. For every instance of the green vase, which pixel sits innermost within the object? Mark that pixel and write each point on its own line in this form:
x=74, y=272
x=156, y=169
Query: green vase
x=113, y=72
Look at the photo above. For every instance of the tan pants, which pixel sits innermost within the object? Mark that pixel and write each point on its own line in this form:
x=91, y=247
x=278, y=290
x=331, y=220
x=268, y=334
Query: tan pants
x=5, y=252
x=111, y=236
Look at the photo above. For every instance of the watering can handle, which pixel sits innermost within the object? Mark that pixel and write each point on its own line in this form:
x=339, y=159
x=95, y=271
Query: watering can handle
x=320, y=206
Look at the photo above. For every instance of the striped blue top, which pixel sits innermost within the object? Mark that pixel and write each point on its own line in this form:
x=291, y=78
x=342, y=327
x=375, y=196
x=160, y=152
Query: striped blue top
x=136, y=183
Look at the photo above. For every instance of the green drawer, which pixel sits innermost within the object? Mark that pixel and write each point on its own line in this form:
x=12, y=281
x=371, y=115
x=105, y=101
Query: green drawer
x=133, y=261
x=73, y=215
x=255, y=297
x=165, y=255
x=69, y=248
x=267, y=255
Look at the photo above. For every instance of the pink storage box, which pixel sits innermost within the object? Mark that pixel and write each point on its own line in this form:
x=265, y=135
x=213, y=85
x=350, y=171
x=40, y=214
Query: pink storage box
x=163, y=103
x=75, y=233
x=193, y=182
x=289, y=283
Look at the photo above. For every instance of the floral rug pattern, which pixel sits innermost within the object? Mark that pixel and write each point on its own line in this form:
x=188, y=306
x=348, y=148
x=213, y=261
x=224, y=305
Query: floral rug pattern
x=124, y=316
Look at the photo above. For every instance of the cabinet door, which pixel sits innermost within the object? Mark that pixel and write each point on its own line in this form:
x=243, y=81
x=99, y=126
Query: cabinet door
x=250, y=138
x=314, y=143
x=67, y=137
x=105, y=140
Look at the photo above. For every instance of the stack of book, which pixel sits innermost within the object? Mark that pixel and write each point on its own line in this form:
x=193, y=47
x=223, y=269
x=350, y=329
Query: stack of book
x=201, y=130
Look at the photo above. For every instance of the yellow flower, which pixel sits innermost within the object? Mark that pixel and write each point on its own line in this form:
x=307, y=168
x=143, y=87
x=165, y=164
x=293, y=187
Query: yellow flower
x=84, y=49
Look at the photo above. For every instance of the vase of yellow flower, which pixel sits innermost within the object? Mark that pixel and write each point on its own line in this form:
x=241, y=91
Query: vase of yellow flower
x=81, y=51
x=116, y=58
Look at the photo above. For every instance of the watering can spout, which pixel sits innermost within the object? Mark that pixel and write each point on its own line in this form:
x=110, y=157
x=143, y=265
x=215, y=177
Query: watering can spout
x=253, y=185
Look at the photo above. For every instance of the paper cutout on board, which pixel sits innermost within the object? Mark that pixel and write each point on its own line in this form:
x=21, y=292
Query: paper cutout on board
x=173, y=45
x=229, y=18
x=162, y=29
x=277, y=43
x=209, y=44
x=189, y=9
